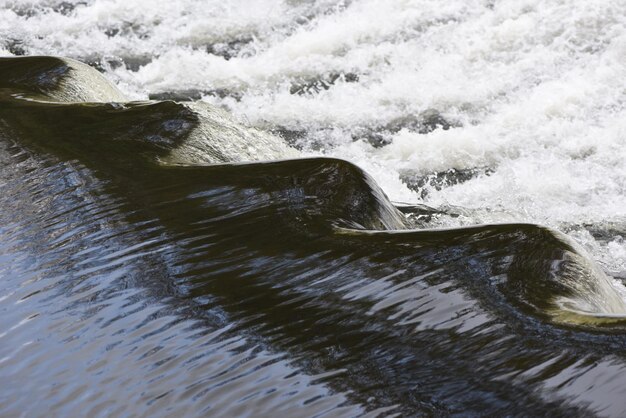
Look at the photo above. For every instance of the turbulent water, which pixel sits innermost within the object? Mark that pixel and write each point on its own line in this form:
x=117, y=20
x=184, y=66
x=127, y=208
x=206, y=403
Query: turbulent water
x=361, y=237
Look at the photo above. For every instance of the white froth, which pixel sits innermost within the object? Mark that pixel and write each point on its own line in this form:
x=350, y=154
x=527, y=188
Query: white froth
x=535, y=88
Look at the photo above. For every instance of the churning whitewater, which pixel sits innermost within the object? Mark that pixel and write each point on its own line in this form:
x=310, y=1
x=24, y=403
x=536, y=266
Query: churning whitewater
x=313, y=208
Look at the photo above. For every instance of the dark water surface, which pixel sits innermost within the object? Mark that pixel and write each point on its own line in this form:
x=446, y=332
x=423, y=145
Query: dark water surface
x=131, y=287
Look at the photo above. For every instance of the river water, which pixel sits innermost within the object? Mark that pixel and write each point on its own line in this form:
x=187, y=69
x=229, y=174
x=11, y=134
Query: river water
x=131, y=288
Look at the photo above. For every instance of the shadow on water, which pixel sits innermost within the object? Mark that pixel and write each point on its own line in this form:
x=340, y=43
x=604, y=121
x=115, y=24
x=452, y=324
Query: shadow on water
x=290, y=288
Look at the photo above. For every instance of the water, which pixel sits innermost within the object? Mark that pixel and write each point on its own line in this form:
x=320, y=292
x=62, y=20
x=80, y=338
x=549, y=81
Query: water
x=135, y=286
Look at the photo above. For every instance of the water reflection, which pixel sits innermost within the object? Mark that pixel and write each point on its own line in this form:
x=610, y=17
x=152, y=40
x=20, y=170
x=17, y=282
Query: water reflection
x=290, y=288
x=92, y=321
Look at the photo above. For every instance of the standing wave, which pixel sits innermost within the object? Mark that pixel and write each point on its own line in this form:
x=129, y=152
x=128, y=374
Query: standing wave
x=307, y=256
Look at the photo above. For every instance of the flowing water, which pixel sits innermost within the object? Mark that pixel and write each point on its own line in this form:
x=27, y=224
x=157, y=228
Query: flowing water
x=309, y=208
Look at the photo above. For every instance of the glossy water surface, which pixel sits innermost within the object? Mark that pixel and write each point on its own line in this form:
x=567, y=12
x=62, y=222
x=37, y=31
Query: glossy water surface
x=135, y=286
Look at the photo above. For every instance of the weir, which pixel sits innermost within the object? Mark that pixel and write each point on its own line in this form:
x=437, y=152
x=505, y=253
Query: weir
x=304, y=257
x=69, y=107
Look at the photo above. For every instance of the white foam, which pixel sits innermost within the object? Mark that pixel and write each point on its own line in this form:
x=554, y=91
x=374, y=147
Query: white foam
x=537, y=87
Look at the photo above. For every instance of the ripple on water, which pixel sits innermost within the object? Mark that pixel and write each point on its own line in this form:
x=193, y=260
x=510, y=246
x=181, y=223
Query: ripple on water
x=291, y=287
x=89, y=325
